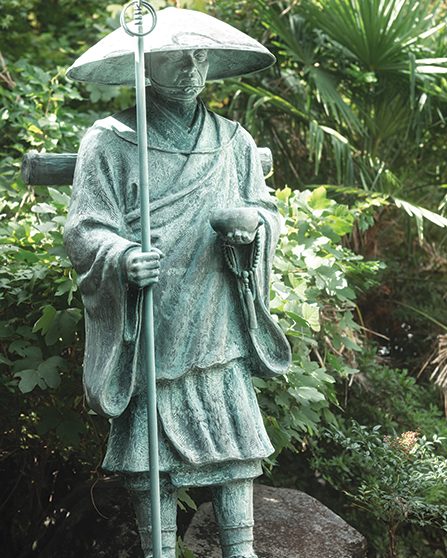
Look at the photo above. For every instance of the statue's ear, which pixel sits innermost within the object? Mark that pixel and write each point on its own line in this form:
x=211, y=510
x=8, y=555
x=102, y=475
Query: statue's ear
x=265, y=154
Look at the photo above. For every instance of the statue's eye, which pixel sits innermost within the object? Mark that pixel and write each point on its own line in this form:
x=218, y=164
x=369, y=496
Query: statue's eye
x=201, y=55
x=174, y=55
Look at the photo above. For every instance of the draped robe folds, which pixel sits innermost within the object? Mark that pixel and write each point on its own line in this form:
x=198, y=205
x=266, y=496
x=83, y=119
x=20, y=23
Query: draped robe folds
x=199, y=325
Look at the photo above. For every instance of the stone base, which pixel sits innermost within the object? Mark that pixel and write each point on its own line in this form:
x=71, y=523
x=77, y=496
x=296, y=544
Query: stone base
x=288, y=524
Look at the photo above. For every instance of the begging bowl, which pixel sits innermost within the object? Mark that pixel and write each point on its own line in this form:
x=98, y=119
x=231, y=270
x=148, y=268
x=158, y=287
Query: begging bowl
x=224, y=221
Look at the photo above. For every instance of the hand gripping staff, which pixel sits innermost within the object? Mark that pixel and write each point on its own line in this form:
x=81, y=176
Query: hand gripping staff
x=138, y=32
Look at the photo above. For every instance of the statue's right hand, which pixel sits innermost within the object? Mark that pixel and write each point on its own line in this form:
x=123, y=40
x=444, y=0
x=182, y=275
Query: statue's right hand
x=142, y=268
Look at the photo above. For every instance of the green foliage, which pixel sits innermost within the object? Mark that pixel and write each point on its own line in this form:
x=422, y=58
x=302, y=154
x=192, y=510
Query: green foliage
x=41, y=326
x=38, y=337
x=383, y=36
x=41, y=330
x=46, y=431
x=357, y=461
x=316, y=305
x=356, y=98
x=395, y=400
x=398, y=480
x=364, y=117
x=183, y=551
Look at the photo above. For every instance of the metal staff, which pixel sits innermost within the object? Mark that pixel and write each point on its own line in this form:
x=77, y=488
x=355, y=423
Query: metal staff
x=148, y=313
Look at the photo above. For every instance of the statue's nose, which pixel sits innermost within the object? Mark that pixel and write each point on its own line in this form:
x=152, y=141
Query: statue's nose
x=189, y=61
x=189, y=67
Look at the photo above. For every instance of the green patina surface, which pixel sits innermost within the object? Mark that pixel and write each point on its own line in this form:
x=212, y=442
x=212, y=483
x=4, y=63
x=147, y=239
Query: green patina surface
x=213, y=331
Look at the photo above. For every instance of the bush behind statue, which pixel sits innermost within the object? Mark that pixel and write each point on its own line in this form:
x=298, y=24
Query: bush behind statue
x=400, y=481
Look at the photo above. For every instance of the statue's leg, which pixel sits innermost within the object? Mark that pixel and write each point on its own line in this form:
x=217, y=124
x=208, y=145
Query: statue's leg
x=233, y=508
x=140, y=495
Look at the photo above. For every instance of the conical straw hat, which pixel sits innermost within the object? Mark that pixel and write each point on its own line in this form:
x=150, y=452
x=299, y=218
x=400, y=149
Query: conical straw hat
x=231, y=53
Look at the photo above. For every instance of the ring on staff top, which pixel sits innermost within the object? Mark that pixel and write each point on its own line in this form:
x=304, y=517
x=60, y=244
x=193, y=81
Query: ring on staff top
x=138, y=17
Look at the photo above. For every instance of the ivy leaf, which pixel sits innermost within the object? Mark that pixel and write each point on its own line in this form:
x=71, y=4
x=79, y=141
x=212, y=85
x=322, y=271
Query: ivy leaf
x=65, y=286
x=58, y=324
x=185, y=500
x=318, y=199
x=306, y=393
x=43, y=208
x=19, y=347
x=48, y=371
x=4, y=360
x=68, y=320
x=44, y=322
x=311, y=314
x=60, y=198
x=259, y=383
x=33, y=353
x=29, y=379
x=340, y=225
x=31, y=360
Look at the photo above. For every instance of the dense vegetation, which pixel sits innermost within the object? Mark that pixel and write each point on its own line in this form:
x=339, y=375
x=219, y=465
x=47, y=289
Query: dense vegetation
x=354, y=112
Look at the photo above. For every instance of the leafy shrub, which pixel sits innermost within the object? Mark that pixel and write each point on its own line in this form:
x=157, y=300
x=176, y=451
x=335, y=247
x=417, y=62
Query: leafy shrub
x=400, y=480
x=41, y=327
x=395, y=400
x=316, y=305
x=47, y=436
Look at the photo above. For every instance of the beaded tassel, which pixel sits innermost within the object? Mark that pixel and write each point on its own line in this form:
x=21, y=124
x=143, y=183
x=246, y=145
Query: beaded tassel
x=246, y=277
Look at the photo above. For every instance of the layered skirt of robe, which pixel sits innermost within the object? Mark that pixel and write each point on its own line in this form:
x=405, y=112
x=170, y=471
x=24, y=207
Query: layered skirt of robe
x=210, y=432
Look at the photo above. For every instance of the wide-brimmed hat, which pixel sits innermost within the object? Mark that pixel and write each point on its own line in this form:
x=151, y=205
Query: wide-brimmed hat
x=231, y=53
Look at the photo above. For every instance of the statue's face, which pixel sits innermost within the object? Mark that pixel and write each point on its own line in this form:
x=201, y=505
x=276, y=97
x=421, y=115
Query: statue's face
x=179, y=74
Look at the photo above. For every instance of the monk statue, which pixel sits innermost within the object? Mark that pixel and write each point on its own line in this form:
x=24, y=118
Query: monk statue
x=214, y=231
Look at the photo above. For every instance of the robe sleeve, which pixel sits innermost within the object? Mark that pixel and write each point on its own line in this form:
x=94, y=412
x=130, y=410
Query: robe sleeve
x=95, y=242
x=270, y=347
x=255, y=193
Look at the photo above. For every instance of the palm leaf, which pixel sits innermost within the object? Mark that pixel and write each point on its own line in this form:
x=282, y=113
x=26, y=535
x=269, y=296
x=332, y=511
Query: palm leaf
x=341, y=150
x=378, y=33
x=296, y=42
x=292, y=30
x=420, y=213
x=335, y=106
x=268, y=97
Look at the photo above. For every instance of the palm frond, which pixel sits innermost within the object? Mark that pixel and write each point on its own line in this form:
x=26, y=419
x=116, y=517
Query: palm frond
x=335, y=106
x=378, y=33
x=420, y=213
x=291, y=28
x=269, y=97
x=340, y=147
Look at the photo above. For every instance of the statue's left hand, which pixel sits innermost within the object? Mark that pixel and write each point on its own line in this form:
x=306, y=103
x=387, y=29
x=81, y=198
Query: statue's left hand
x=239, y=236
x=236, y=225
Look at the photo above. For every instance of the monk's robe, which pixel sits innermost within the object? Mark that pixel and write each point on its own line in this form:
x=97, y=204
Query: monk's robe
x=211, y=429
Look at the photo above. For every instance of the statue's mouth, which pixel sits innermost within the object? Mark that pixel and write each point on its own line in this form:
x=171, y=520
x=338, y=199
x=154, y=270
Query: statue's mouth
x=190, y=88
x=189, y=85
x=189, y=82
x=185, y=86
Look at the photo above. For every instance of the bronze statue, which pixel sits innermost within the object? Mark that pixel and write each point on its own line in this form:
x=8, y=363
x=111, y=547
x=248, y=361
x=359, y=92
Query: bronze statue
x=214, y=232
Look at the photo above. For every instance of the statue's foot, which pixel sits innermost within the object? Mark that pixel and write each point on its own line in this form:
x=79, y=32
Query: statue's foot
x=168, y=554
x=246, y=552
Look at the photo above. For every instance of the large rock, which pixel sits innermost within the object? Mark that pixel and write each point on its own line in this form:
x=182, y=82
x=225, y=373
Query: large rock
x=288, y=524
